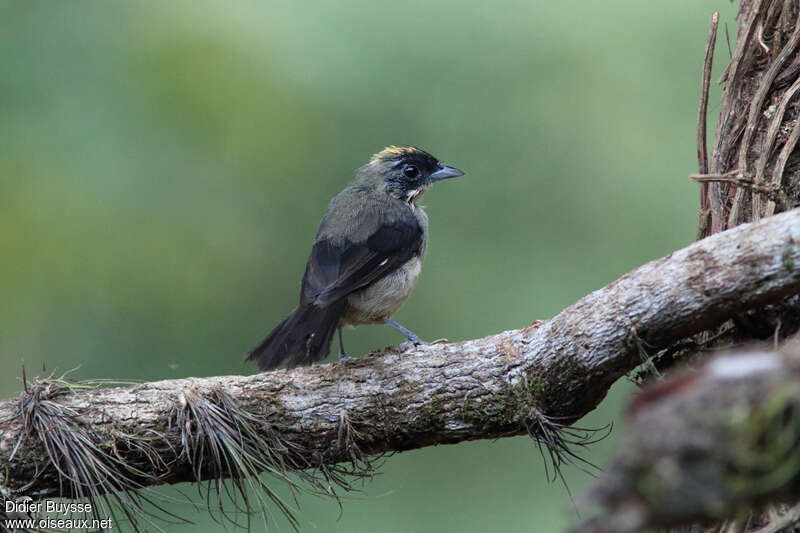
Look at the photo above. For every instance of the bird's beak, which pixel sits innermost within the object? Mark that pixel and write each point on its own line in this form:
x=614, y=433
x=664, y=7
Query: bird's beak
x=444, y=173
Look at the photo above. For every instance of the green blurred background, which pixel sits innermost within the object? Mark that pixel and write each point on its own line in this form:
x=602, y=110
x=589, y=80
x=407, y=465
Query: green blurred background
x=163, y=167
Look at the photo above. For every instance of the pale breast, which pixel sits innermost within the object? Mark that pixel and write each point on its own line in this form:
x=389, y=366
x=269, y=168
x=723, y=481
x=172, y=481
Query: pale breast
x=384, y=297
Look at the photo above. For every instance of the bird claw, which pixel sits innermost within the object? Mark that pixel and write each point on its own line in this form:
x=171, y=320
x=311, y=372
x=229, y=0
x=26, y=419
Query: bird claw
x=344, y=358
x=440, y=341
x=403, y=346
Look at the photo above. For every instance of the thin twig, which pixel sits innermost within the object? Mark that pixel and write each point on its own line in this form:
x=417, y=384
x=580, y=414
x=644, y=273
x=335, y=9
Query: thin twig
x=736, y=58
x=702, y=149
x=745, y=183
x=728, y=39
x=702, y=141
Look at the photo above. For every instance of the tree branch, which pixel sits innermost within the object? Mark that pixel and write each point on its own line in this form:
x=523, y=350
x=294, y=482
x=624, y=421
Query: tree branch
x=546, y=375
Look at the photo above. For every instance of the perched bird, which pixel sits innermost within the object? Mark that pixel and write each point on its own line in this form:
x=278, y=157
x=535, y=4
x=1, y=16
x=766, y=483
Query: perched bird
x=365, y=260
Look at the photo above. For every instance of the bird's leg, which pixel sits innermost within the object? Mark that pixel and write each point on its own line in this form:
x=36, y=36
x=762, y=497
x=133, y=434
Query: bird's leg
x=412, y=338
x=342, y=354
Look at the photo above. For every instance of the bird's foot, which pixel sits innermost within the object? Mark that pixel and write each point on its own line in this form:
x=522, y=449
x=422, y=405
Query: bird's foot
x=344, y=358
x=403, y=346
x=413, y=340
x=419, y=342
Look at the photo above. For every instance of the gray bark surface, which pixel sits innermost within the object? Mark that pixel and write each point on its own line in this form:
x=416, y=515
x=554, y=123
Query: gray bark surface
x=500, y=385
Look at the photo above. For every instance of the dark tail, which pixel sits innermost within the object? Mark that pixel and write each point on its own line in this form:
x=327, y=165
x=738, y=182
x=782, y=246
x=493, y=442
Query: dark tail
x=302, y=338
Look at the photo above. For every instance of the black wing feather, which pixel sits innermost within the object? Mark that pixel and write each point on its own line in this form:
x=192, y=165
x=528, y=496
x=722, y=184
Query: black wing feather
x=334, y=271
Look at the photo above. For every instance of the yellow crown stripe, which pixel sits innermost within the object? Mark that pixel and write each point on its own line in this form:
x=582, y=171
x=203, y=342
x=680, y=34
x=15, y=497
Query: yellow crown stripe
x=392, y=152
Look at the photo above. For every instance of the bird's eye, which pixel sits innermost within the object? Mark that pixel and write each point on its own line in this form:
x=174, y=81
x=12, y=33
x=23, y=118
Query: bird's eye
x=411, y=171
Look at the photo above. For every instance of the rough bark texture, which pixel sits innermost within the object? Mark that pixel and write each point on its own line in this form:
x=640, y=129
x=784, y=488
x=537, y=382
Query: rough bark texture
x=504, y=384
x=757, y=131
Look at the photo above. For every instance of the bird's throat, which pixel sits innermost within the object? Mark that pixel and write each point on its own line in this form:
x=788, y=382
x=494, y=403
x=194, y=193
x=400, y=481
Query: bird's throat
x=415, y=195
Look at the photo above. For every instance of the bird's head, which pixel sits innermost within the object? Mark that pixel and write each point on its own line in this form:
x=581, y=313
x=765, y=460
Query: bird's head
x=404, y=172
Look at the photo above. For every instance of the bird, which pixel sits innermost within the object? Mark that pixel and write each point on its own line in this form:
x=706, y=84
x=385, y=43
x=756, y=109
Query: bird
x=365, y=260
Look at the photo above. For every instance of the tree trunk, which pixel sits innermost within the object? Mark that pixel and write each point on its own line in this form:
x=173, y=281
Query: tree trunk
x=758, y=127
